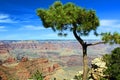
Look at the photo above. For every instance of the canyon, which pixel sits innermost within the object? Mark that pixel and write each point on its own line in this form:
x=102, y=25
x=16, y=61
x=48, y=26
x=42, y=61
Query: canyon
x=20, y=59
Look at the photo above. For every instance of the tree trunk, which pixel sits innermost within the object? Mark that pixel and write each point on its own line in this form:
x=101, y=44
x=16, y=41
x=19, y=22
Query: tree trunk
x=85, y=62
x=84, y=46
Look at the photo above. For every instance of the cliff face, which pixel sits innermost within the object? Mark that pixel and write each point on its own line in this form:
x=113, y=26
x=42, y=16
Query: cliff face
x=45, y=49
x=4, y=52
x=65, y=53
x=25, y=69
x=3, y=48
x=48, y=45
x=3, y=76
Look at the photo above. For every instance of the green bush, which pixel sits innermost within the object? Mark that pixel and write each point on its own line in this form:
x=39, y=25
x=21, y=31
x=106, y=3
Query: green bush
x=78, y=77
x=113, y=63
x=37, y=76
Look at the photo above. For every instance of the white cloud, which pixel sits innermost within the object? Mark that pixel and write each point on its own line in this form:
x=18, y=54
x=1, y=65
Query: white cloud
x=32, y=27
x=7, y=21
x=5, y=18
x=110, y=23
x=2, y=29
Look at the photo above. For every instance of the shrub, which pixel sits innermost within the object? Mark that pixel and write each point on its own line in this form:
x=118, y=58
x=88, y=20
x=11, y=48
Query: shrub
x=37, y=76
x=113, y=64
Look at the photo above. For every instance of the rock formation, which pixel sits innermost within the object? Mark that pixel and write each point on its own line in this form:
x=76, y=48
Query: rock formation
x=3, y=48
x=10, y=60
x=97, y=68
x=44, y=49
x=26, y=68
x=24, y=59
x=2, y=76
x=4, y=52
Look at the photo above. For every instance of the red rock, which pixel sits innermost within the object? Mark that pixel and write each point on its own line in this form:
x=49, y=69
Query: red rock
x=43, y=60
x=10, y=60
x=25, y=69
x=51, y=69
x=24, y=59
x=3, y=49
x=23, y=75
x=47, y=77
x=55, y=66
x=3, y=76
x=45, y=70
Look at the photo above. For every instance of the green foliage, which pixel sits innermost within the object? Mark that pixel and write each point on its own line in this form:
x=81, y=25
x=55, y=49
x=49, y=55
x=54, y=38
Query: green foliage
x=69, y=17
x=11, y=79
x=38, y=76
x=111, y=38
x=62, y=17
x=113, y=64
x=79, y=77
x=106, y=58
x=104, y=79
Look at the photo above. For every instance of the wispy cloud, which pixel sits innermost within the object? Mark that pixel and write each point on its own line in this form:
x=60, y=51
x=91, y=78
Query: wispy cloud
x=31, y=27
x=110, y=23
x=5, y=18
x=2, y=29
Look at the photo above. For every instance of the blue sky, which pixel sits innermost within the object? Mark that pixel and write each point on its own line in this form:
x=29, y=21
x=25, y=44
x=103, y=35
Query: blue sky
x=18, y=19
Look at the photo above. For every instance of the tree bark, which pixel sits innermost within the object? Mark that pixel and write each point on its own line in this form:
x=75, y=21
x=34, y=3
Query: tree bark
x=84, y=47
x=85, y=62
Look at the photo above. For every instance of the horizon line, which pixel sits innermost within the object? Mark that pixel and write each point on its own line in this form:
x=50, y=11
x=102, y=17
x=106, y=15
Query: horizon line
x=45, y=39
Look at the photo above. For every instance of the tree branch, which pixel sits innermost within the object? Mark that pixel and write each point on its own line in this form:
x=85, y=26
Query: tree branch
x=91, y=44
x=76, y=36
